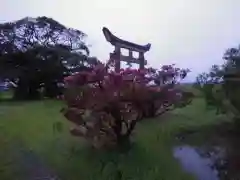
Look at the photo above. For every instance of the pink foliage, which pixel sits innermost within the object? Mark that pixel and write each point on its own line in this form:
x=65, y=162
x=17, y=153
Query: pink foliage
x=106, y=105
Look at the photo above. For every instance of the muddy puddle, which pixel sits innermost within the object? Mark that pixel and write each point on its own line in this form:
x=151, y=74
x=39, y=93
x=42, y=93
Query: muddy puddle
x=211, y=153
x=199, y=162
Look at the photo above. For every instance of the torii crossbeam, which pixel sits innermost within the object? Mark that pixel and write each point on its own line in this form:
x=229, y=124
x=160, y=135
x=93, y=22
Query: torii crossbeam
x=119, y=43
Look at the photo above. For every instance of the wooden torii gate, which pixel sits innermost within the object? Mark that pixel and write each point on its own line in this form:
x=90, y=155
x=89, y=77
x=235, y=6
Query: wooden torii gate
x=118, y=57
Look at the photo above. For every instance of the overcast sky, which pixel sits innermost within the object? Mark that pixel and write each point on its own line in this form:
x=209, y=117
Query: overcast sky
x=190, y=33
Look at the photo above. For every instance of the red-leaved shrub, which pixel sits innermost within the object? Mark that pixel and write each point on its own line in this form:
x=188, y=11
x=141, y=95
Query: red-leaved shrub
x=105, y=106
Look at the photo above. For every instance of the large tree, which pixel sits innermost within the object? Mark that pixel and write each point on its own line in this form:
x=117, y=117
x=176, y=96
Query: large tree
x=40, y=51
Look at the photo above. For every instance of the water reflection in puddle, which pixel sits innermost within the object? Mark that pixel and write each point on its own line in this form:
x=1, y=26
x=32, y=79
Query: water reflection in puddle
x=191, y=161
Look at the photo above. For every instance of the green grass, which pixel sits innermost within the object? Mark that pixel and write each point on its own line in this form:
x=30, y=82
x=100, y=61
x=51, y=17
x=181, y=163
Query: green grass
x=4, y=95
x=31, y=124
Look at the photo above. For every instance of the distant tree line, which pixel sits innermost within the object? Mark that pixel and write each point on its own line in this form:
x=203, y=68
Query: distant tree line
x=221, y=85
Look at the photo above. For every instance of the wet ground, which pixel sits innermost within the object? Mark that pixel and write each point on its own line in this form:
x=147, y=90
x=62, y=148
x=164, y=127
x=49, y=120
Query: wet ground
x=26, y=165
x=212, y=153
x=192, y=162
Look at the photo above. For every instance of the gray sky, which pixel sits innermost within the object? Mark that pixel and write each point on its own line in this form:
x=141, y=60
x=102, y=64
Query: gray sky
x=190, y=33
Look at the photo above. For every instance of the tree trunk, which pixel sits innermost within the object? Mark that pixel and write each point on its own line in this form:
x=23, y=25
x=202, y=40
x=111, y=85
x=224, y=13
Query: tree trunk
x=26, y=90
x=52, y=90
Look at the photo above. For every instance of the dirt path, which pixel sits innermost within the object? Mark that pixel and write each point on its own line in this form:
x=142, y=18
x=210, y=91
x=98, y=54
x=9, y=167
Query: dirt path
x=29, y=166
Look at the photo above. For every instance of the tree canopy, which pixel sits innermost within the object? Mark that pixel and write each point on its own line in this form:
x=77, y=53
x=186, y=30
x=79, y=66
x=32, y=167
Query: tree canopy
x=41, y=51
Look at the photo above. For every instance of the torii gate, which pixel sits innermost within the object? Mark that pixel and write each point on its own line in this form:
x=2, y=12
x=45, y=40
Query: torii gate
x=118, y=57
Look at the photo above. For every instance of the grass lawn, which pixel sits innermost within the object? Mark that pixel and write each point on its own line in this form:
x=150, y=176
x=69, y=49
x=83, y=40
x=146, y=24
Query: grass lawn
x=28, y=127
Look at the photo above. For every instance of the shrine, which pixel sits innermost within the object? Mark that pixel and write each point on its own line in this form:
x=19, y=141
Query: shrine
x=131, y=47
